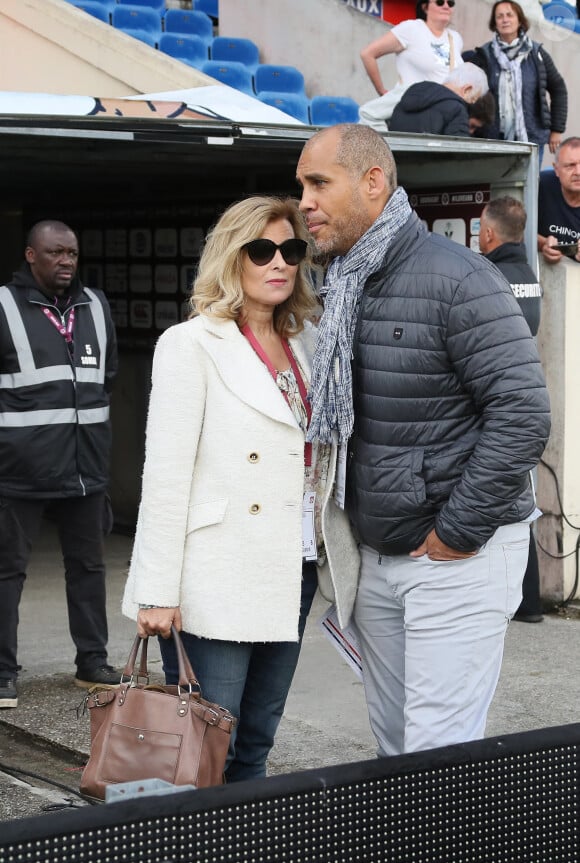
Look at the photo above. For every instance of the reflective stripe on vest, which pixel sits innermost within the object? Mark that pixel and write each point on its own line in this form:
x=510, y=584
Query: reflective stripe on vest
x=18, y=332
x=96, y=307
x=29, y=375
x=22, y=419
x=36, y=376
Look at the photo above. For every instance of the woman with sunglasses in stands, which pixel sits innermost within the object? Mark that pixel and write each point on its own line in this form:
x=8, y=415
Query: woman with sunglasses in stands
x=521, y=76
x=426, y=49
x=236, y=513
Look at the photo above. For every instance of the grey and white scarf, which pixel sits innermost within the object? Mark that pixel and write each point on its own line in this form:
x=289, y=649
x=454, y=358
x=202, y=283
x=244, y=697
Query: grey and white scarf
x=510, y=58
x=331, y=383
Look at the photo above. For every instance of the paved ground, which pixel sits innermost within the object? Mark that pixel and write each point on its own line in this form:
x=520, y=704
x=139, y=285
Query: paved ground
x=325, y=721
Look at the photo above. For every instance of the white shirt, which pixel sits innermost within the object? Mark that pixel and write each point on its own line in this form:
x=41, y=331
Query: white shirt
x=425, y=57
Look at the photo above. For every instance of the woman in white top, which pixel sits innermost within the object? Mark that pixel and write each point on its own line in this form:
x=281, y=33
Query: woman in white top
x=426, y=50
x=221, y=551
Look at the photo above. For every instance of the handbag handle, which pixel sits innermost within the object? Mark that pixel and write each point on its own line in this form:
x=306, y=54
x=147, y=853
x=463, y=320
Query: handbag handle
x=187, y=677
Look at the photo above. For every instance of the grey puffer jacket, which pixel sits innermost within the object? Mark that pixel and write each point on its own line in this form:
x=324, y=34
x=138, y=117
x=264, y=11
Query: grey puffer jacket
x=451, y=405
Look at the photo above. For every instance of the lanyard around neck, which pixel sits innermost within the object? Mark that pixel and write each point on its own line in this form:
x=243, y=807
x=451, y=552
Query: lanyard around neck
x=65, y=330
x=247, y=332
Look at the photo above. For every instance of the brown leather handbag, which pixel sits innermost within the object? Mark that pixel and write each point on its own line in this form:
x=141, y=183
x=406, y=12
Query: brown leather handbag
x=141, y=731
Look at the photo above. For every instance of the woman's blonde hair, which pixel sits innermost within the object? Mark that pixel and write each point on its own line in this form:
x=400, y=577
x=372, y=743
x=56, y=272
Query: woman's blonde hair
x=217, y=290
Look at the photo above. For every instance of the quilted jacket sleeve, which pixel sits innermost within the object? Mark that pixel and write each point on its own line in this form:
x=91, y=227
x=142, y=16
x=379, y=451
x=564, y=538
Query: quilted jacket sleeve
x=496, y=360
x=556, y=87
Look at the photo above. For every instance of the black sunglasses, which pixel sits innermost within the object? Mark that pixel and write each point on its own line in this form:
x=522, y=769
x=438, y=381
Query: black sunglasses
x=261, y=252
x=450, y=3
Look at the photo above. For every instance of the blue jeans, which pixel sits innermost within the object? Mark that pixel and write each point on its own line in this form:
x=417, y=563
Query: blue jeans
x=251, y=679
x=540, y=155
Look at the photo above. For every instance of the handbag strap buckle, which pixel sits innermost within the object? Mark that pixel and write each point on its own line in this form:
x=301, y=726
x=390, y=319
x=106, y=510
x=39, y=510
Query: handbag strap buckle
x=139, y=679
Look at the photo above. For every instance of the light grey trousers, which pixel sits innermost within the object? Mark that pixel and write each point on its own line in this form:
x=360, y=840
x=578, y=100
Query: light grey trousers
x=432, y=636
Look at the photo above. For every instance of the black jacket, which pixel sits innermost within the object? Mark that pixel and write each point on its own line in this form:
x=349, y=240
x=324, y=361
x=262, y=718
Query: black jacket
x=55, y=433
x=552, y=115
x=511, y=261
x=431, y=108
x=451, y=407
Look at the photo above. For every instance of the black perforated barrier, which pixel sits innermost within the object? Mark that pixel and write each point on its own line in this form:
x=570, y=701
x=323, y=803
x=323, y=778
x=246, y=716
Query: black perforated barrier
x=510, y=799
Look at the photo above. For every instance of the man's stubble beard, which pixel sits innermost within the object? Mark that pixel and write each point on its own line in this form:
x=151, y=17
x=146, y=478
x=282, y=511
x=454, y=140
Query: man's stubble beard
x=346, y=231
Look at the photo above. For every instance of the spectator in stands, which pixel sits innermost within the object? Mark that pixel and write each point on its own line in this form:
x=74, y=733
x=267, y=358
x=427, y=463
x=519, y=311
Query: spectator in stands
x=559, y=204
x=482, y=116
x=427, y=50
x=521, y=76
x=501, y=236
x=440, y=109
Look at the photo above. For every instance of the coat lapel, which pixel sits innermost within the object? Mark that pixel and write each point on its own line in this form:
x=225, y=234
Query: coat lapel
x=242, y=371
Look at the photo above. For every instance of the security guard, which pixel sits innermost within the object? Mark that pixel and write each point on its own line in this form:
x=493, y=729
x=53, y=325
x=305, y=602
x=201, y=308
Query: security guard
x=58, y=358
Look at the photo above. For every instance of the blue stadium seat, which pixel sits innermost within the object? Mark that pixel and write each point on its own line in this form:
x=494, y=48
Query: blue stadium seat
x=138, y=21
x=329, y=110
x=240, y=50
x=234, y=74
x=210, y=7
x=560, y=13
x=102, y=11
x=157, y=5
x=291, y=103
x=284, y=79
x=193, y=23
x=189, y=49
x=143, y=36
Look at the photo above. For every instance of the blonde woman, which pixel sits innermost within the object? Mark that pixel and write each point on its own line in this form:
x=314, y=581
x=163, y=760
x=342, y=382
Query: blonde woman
x=220, y=550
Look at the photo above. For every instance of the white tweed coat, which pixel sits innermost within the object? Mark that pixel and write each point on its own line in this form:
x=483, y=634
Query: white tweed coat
x=219, y=531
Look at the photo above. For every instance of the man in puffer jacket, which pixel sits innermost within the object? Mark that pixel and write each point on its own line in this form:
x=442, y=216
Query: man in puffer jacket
x=426, y=372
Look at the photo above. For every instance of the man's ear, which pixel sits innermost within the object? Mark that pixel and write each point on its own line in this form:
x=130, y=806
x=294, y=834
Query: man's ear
x=468, y=93
x=490, y=233
x=375, y=182
x=29, y=255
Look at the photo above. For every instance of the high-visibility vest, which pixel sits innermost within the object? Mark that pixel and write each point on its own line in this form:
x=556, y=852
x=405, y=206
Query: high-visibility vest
x=54, y=404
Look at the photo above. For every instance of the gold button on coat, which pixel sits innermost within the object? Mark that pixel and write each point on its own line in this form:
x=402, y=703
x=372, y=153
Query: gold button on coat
x=255, y=508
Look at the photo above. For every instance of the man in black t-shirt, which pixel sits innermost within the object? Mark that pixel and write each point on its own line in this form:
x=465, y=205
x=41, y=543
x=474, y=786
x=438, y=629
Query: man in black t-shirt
x=559, y=204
